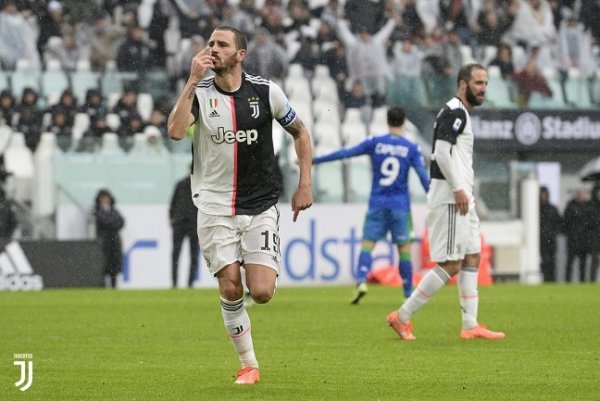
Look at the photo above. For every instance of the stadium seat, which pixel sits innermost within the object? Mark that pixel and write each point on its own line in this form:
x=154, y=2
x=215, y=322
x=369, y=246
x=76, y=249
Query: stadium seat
x=406, y=91
x=4, y=80
x=498, y=93
x=81, y=124
x=18, y=160
x=144, y=106
x=354, y=129
x=360, y=175
x=467, y=54
x=140, y=145
x=144, y=13
x=113, y=121
x=81, y=81
x=111, y=83
x=54, y=82
x=578, y=89
x=110, y=145
x=327, y=134
x=328, y=110
x=329, y=180
x=24, y=78
x=489, y=53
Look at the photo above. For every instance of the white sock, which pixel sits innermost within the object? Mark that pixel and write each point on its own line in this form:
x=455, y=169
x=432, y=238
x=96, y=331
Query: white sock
x=237, y=324
x=429, y=285
x=469, y=296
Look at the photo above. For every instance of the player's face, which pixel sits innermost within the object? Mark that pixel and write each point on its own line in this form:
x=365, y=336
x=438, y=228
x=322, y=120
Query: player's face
x=476, y=87
x=222, y=48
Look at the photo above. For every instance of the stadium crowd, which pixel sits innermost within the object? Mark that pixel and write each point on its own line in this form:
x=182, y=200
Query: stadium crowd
x=113, y=50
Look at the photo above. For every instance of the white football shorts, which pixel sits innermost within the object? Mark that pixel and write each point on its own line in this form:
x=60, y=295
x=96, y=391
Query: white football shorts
x=249, y=239
x=451, y=235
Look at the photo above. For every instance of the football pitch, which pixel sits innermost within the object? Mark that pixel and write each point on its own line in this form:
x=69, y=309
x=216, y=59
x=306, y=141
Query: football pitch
x=311, y=344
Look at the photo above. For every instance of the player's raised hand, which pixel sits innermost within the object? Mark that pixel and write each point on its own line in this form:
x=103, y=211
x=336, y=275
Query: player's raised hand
x=202, y=62
x=301, y=200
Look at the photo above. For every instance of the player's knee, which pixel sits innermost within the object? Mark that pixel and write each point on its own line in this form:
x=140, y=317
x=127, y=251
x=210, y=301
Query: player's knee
x=231, y=290
x=261, y=295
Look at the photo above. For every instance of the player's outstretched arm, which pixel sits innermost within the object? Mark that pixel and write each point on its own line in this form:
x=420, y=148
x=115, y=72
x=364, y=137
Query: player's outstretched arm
x=181, y=116
x=302, y=198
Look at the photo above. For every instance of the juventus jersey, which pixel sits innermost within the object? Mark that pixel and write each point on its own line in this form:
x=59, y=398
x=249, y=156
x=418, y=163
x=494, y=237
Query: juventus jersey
x=234, y=167
x=453, y=124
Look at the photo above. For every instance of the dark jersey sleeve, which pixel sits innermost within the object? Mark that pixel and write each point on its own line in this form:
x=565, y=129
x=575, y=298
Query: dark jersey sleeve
x=449, y=124
x=196, y=108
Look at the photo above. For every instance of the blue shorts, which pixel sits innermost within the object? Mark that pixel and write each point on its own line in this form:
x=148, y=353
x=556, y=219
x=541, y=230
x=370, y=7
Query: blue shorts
x=379, y=222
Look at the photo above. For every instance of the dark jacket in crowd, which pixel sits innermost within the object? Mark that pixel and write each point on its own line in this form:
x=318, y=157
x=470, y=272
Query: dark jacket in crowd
x=595, y=219
x=577, y=225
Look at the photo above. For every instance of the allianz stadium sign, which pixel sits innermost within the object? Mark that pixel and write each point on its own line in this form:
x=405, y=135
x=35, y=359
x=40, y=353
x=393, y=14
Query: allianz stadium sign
x=536, y=130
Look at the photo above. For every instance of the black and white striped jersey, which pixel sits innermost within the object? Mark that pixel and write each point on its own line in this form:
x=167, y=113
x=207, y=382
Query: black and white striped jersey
x=234, y=167
x=453, y=124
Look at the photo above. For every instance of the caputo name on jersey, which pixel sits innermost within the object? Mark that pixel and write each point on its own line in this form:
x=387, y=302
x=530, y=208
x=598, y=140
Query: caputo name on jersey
x=229, y=136
x=392, y=150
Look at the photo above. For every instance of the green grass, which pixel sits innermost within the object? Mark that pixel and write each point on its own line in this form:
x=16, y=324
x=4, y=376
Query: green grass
x=312, y=345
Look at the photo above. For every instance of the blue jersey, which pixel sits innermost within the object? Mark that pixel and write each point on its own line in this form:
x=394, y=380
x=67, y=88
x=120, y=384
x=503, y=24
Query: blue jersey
x=391, y=159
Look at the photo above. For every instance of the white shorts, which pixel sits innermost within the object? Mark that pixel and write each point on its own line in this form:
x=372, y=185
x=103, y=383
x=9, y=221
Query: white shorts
x=249, y=239
x=451, y=235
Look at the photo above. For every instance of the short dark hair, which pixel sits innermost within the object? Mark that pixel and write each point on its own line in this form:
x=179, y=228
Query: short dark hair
x=464, y=74
x=395, y=117
x=238, y=37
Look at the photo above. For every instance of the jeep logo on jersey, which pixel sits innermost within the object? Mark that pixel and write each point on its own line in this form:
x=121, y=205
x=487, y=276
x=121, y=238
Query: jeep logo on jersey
x=229, y=136
x=254, y=107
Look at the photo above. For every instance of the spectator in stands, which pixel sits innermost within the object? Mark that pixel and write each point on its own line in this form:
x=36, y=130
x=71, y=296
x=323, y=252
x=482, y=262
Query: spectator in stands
x=94, y=103
x=265, y=57
x=335, y=60
x=129, y=127
x=17, y=38
x=50, y=24
x=183, y=216
x=155, y=141
x=134, y=53
x=331, y=12
x=577, y=222
x=406, y=68
x=127, y=104
x=109, y=222
x=306, y=56
x=64, y=50
x=366, y=57
x=197, y=43
x=410, y=24
x=29, y=122
x=67, y=104
x=238, y=18
x=159, y=121
x=493, y=22
x=590, y=16
x=533, y=25
x=272, y=15
x=7, y=107
x=92, y=138
x=530, y=79
x=104, y=35
x=595, y=234
x=429, y=15
x=325, y=37
x=504, y=61
x=366, y=16
x=356, y=98
x=452, y=53
x=191, y=14
x=156, y=32
x=60, y=127
x=300, y=15
x=435, y=71
x=550, y=227
x=575, y=51
x=8, y=216
x=460, y=16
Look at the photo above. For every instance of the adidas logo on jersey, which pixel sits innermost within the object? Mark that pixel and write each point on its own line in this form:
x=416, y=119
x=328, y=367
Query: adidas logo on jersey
x=214, y=113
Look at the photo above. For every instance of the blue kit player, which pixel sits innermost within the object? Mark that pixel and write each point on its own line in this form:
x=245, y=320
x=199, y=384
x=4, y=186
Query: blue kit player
x=391, y=155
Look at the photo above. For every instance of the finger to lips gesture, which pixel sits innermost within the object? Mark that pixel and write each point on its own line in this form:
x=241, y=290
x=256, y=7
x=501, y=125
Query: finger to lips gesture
x=202, y=62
